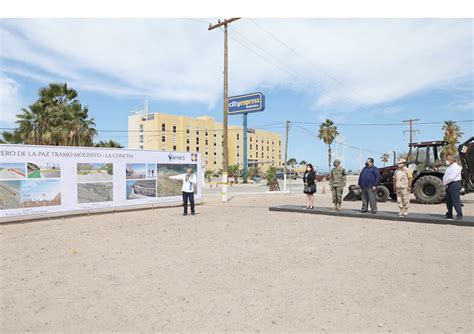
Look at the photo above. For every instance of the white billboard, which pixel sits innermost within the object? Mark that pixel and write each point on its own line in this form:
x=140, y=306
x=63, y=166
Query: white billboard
x=39, y=180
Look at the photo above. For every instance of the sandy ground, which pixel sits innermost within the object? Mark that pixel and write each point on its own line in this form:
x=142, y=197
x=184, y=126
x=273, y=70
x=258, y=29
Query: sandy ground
x=237, y=267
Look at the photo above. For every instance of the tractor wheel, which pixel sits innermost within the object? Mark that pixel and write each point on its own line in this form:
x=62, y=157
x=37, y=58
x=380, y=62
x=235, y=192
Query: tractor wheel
x=429, y=189
x=382, y=194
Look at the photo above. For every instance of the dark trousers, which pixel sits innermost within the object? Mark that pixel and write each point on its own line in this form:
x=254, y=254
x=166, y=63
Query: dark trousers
x=187, y=196
x=453, y=198
x=369, y=197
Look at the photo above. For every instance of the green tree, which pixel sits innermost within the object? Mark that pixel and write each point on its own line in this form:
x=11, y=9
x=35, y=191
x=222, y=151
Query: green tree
x=10, y=138
x=234, y=171
x=452, y=134
x=327, y=133
x=208, y=174
x=110, y=143
x=56, y=118
x=303, y=163
x=385, y=158
x=271, y=178
x=292, y=162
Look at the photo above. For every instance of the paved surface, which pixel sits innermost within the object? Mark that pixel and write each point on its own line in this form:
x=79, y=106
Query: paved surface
x=383, y=215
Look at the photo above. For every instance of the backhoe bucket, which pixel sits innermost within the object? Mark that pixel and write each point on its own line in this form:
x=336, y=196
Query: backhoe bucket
x=354, y=194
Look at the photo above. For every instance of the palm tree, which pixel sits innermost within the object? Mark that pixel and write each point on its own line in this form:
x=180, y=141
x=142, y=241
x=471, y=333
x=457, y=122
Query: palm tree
x=327, y=133
x=208, y=174
x=110, y=143
x=385, y=158
x=233, y=171
x=303, y=163
x=292, y=162
x=452, y=134
x=56, y=118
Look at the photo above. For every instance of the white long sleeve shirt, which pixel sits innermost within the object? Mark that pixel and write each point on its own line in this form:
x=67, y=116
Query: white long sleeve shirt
x=453, y=173
x=188, y=185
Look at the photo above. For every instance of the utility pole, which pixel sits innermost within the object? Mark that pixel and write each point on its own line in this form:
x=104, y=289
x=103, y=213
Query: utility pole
x=410, y=121
x=225, y=152
x=286, y=154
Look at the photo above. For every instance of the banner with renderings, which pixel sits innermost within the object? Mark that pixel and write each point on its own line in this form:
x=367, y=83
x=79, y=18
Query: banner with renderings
x=38, y=180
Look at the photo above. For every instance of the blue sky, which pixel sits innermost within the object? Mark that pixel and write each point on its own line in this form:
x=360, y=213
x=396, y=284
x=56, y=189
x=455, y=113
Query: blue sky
x=351, y=71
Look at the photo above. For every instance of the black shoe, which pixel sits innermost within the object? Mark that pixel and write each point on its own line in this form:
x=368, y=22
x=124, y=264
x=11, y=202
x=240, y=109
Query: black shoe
x=362, y=211
x=373, y=212
x=193, y=213
x=185, y=214
x=447, y=215
x=458, y=217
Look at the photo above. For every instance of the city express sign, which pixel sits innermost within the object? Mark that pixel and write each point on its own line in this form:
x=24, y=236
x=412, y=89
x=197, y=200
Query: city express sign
x=247, y=103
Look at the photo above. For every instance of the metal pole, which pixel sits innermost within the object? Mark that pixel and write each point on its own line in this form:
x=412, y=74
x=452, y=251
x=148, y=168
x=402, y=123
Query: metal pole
x=245, y=146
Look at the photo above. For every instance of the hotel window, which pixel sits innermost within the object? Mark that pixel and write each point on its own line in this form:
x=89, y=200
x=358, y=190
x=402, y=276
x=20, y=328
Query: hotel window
x=206, y=133
x=141, y=127
x=206, y=142
x=262, y=155
x=174, y=128
x=215, y=135
x=238, y=146
x=250, y=155
x=207, y=153
x=197, y=148
x=279, y=142
x=141, y=139
x=187, y=148
x=215, y=144
x=237, y=136
x=250, y=146
x=197, y=132
x=215, y=162
x=163, y=127
x=174, y=147
x=187, y=130
x=250, y=138
x=238, y=155
x=256, y=147
x=215, y=153
x=197, y=140
x=187, y=141
x=163, y=139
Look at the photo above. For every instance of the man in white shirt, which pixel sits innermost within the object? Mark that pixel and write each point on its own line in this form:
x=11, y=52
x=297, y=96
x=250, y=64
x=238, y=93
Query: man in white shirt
x=452, y=182
x=189, y=181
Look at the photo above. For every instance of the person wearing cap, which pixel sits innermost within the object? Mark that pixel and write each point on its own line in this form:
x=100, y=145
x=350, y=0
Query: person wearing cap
x=337, y=182
x=402, y=179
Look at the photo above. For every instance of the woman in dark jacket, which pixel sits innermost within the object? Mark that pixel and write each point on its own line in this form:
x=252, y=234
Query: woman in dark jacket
x=309, y=185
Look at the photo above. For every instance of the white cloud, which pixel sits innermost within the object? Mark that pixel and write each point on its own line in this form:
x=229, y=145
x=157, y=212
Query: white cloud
x=374, y=61
x=9, y=99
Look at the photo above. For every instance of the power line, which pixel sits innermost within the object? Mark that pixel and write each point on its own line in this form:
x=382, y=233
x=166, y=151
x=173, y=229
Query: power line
x=297, y=74
x=314, y=65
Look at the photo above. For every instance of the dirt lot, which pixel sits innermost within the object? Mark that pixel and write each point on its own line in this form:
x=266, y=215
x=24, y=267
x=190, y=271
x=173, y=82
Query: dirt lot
x=237, y=267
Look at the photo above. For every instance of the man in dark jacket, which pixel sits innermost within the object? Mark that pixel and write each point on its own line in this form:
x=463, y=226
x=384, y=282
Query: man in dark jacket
x=369, y=179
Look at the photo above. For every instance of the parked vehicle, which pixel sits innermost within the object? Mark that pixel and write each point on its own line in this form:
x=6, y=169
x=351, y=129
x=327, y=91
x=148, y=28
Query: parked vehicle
x=425, y=162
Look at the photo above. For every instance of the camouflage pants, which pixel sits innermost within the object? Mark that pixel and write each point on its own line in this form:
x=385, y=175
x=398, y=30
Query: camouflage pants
x=337, y=194
x=403, y=199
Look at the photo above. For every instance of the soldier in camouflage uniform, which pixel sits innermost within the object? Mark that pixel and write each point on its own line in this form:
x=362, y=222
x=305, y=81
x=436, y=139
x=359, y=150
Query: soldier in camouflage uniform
x=337, y=183
x=402, y=179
